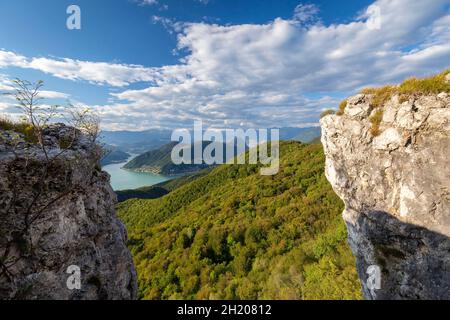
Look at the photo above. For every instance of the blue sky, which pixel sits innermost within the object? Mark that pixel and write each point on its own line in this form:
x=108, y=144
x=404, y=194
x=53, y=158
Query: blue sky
x=261, y=63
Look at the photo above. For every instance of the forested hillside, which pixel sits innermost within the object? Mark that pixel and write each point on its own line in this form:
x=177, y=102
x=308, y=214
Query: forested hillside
x=234, y=234
x=114, y=155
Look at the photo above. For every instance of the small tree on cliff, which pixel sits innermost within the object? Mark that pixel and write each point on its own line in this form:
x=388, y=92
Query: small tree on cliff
x=28, y=141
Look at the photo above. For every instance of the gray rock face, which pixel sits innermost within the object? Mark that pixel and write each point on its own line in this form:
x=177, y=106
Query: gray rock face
x=56, y=213
x=396, y=188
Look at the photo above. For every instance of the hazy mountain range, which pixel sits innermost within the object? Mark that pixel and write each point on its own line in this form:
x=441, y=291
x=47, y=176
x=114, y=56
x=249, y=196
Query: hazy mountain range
x=138, y=142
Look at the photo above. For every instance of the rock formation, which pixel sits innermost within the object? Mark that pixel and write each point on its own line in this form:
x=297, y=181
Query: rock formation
x=57, y=211
x=396, y=189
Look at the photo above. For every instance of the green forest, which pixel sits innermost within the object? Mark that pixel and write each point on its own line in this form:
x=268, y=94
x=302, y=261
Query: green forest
x=234, y=234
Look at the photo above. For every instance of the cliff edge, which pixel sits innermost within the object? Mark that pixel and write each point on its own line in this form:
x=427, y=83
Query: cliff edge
x=395, y=182
x=58, y=222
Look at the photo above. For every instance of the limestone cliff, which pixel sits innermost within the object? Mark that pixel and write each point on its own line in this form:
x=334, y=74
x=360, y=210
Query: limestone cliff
x=396, y=189
x=56, y=211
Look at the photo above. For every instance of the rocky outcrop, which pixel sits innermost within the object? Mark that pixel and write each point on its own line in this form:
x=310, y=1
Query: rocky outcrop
x=396, y=189
x=57, y=217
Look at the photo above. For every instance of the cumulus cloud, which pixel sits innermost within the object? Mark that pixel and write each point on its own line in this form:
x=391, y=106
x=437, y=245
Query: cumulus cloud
x=5, y=84
x=260, y=74
x=8, y=58
x=265, y=74
x=46, y=94
x=103, y=73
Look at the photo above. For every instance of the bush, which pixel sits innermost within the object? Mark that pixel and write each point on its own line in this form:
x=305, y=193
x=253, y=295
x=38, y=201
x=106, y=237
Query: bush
x=6, y=123
x=326, y=113
x=380, y=95
x=342, y=107
x=375, y=120
x=431, y=85
x=24, y=128
x=408, y=88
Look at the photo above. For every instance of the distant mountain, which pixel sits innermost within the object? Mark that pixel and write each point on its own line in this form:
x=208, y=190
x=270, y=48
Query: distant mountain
x=136, y=141
x=114, y=156
x=304, y=135
x=316, y=141
x=142, y=141
x=160, y=161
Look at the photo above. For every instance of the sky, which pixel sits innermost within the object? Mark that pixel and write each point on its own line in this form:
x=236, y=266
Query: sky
x=143, y=64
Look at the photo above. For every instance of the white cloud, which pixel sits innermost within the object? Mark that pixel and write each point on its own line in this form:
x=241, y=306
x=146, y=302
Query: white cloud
x=103, y=73
x=11, y=59
x=148, y=2
x=262, y=74
x=45, y=94
x=7, y=86
x=259, y=74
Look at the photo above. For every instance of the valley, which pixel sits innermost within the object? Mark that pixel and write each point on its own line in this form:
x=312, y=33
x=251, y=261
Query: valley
x=233, y=234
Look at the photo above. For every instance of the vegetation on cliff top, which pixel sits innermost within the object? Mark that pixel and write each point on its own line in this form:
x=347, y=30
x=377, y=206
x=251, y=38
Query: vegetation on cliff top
x=413, y=86
x=36, y=117
x=22, y=127
x=234, y=234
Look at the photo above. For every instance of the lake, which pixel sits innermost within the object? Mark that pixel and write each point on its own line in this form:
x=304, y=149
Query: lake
x=123, y=179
